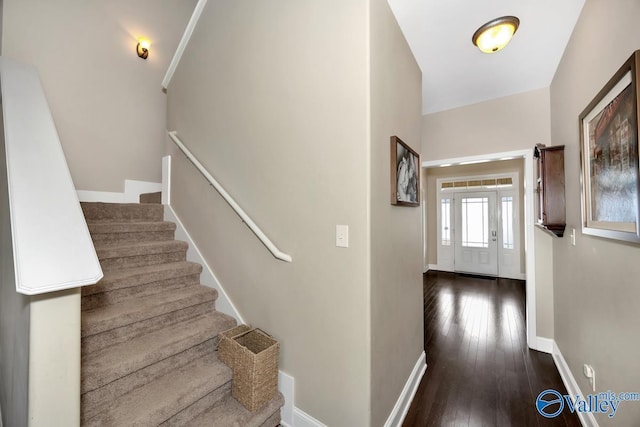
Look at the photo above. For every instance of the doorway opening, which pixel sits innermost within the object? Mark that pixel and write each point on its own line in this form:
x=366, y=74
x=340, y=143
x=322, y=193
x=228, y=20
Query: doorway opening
x=478, y=225
x=528, y=215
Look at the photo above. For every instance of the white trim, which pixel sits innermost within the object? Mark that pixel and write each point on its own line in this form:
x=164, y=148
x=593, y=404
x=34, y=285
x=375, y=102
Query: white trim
x=191, y=26
x=231, y=201
x=208, y=277
x=482, y=157
x=286, y=386
x=52, y=247
x=166, y=181
x=424, y=270
x=399, y=412
x=132, y=191
x=100, y=196
x=302, y=419
x=529, y=216
x=529, y=246
x=586, y=418
x=440, y=268
x=544, y=345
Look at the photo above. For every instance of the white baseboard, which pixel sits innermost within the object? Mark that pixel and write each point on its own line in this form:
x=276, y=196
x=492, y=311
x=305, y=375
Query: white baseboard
x=544, y=345
x=100, y=196
x=208, y=277
x=440, y=268
x=302, y=419
x=401, y=407
x=132, y=191
x=586, y=418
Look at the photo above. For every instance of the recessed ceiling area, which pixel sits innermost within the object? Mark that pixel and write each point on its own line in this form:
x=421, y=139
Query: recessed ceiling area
x=455, y=73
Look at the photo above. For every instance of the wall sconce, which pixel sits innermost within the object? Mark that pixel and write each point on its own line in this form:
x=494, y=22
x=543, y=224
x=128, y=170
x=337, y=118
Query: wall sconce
x=143, y=47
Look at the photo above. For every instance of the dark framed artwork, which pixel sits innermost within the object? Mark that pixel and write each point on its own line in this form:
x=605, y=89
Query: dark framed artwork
x=610, y=179
x=405, y=174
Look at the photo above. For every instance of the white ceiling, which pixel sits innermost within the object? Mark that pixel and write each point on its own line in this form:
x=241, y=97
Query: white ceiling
x=456, y=73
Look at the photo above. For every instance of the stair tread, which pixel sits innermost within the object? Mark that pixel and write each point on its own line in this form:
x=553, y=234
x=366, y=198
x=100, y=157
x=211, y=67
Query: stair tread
x=134, y=276
x=165, y=396
x=125, y=226
x=119, y=360
x=135, y=310
x=126, y=211
x=126, y=249
x=230, y=413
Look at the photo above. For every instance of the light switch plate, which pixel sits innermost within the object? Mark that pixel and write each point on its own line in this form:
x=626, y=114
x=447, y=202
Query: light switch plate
x=342, y=236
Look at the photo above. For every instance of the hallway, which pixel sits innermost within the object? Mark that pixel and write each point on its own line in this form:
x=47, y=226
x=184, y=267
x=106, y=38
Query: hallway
x=479, y=369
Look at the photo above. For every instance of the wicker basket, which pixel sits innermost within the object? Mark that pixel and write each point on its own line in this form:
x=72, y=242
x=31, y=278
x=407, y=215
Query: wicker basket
x=255, y=368
x=226, y=344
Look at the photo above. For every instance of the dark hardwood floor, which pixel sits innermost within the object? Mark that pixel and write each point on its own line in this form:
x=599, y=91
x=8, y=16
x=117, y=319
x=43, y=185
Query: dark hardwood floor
x=480, y=371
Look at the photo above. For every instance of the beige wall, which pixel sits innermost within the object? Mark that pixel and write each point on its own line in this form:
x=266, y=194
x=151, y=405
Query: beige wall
x=14, y=318
x=514, y=122
x=432, y=176
x=596, y=289
x=396, y=245
x=272, y=97
x=107, y=103
x=544, y=282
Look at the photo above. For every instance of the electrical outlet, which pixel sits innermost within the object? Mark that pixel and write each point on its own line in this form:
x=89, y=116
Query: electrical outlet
x=573, y=236
x=591, y=374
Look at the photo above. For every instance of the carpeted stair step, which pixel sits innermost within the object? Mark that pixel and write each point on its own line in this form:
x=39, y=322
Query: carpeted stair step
x=110, y=231
x=137, y=310
x=159, y=400
x=101, y=398
x=122, y=211
x=189, y=308
x=127, y=255
x=142, y=352
x=151, y=197
x=138, y=282
x=230, y=413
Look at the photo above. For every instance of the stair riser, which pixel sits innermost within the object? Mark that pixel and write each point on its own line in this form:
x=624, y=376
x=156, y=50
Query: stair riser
x=273, y=421
x=102, y=340
x=95, y=325
x=184, y=417
x=108, y=284
x=142, y=236
x=90, y=302
x=115, y=211
x=97, y=400
x=142, y=260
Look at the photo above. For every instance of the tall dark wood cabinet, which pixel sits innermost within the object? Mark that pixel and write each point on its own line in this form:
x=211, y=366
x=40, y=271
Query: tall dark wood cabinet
x=551, y=208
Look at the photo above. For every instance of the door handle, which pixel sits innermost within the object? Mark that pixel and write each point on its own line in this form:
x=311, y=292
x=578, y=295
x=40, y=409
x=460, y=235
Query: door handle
x=493, y=235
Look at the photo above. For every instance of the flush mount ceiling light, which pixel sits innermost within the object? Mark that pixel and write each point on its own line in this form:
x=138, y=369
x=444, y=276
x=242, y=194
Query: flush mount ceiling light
x=495, y=34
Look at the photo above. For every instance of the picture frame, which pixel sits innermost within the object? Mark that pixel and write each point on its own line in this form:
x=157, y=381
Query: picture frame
x=610, y=174
x=405, y=174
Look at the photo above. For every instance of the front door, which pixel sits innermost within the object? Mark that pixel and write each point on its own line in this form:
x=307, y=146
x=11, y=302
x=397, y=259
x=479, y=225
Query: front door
x=476, y=236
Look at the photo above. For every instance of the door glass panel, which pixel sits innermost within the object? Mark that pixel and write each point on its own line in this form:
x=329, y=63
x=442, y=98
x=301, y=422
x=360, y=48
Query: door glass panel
x=475, y=222
x=445, y=220
x=507, y=222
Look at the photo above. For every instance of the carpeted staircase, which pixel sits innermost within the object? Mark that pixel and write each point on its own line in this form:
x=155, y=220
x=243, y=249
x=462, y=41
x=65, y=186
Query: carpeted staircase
x=149, y=331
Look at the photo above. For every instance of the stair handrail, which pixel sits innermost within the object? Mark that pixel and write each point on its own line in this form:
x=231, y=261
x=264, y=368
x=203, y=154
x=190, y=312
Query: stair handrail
x=230, y=200
x=52, y=247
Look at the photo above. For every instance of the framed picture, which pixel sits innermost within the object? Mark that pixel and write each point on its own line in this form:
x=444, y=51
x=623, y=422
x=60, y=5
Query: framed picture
x=610, y=182
x=405, y=174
